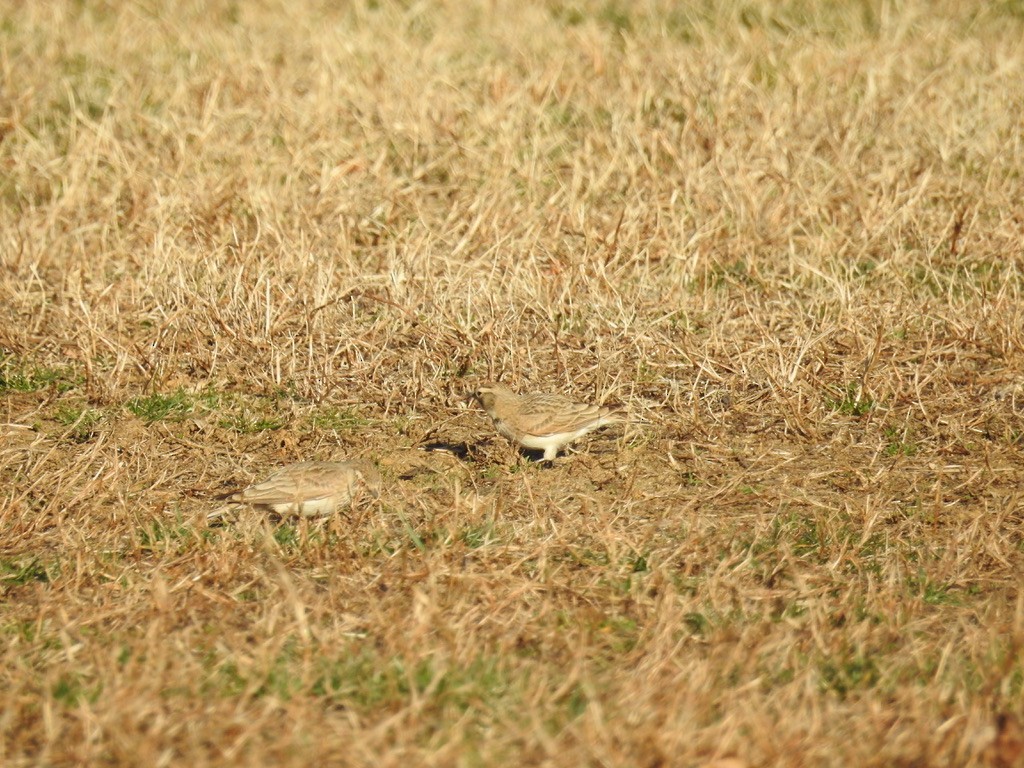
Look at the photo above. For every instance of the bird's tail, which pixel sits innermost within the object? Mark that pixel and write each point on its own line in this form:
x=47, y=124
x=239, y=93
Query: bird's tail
x=226, y=512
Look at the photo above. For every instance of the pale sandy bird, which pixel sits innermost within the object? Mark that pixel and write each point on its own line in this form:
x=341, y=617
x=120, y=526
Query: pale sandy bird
x=307, y=489
x=542, y=422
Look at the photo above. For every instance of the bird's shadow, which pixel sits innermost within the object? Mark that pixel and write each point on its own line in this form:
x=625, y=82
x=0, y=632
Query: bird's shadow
x=469, y=454
x=458, y=450
x=536, y=456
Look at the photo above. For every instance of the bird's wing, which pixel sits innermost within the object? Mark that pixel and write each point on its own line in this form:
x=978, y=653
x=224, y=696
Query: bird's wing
x=305, y=481
x=551, y=415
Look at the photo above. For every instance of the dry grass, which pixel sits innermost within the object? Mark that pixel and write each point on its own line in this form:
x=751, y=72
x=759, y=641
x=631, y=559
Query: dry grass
x=787, y=234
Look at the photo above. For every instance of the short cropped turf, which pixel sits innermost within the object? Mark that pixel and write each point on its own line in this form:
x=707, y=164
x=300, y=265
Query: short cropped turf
x=786, y=236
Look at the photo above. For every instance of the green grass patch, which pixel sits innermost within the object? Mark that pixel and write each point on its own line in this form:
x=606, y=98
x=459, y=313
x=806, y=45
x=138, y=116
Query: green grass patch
x=24, y=570
x=851, y=401
x=72, y=688
x=476, y=536
x=159, y=407
x=287, y=535
x=239, y=413
x=167, y=536
x=934, y=592
x=338, y=419
x=81, y=422
x=245, y=423
x=17, y=376
x=367, y=682
x=844, y=674
x=363, y=680
x=897, y=443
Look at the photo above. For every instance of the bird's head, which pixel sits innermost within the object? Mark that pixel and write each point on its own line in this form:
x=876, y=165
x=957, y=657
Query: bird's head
x=370, y=477
x=487, y=394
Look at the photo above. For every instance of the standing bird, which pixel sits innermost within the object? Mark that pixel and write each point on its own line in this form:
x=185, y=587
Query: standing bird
x=542, y=422
x=307, y=489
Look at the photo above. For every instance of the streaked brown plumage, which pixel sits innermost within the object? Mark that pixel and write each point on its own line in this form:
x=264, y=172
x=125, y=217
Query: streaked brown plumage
x=308, y=488
x=542, y=421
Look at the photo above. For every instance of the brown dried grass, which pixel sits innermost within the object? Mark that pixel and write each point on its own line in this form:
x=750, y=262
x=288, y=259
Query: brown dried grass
x=788, y=235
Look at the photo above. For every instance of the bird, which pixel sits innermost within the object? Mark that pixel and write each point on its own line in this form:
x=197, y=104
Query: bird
x=307, y=489
x=542, y=421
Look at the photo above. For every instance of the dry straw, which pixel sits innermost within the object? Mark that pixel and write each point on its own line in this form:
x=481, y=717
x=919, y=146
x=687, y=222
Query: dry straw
x=239, y=235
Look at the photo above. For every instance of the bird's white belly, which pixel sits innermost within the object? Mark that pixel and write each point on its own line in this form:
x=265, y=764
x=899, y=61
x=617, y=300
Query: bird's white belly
x=543, y=442
x=306, y=507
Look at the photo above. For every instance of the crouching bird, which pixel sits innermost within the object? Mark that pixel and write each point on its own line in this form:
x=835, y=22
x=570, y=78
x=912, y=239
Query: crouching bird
x=542, y=422
x=307, y=489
